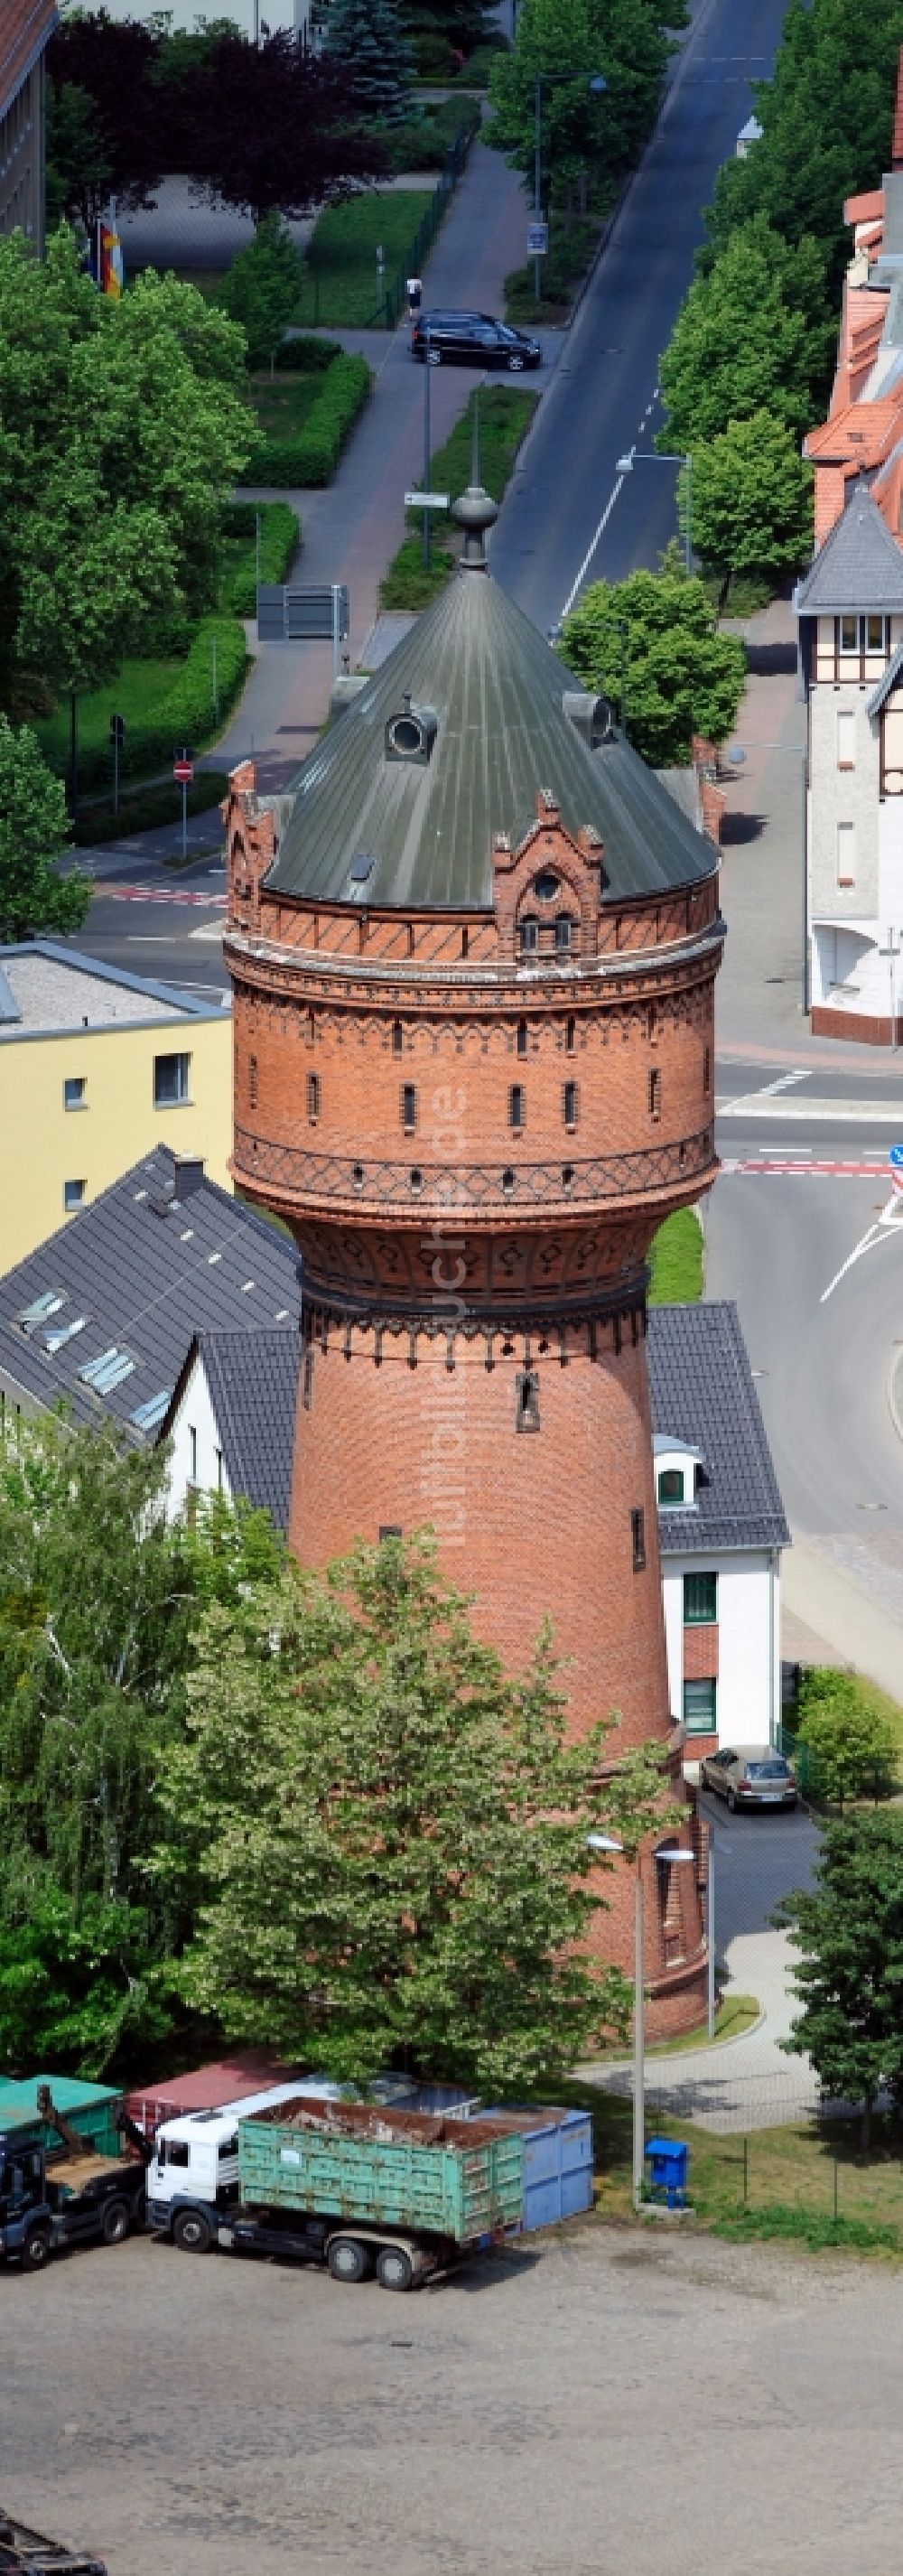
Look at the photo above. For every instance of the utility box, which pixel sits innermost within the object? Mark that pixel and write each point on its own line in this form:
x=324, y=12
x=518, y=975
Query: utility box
x=668, y=2160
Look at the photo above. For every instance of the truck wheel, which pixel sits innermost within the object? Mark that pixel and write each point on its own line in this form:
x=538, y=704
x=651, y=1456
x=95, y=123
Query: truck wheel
x=190, y=2232
x=349, y=2260
x=394, y=2268
x=115, y=2226
x=36, y=2249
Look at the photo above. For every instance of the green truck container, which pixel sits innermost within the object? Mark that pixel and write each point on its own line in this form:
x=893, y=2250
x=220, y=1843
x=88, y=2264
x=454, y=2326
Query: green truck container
x=88, y=2108
x=455, y=2182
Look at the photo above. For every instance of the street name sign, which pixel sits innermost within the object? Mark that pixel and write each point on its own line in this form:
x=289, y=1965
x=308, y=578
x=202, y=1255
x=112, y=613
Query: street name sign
x=426, y=500
x=537, y=240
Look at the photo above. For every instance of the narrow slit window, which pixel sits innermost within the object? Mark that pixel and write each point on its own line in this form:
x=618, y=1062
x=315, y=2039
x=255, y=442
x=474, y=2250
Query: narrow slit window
x=252, y=1081
x=521, y=1037
x=846, y=854
x=517, y=1107
x=570, y=1104
x=570, y=1037
x=397, y=1037
x=706, y=1069
x=655, y=1093
x=408, y=1107
x=313, y=1097
x=638, y=1541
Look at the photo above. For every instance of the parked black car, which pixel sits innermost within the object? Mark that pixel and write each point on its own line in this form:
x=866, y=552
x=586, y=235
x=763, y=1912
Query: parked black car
x=473, y=340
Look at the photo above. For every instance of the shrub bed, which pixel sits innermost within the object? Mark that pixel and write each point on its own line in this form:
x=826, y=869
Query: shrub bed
x=280, y=537
x=310, y=460
x=504, y=418
x=158, y=718
x=146, y=809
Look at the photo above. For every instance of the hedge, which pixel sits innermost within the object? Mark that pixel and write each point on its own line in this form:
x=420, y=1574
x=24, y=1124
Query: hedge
x=186, y=714
x=280, y=537
x=311, y=459
x=305, y=353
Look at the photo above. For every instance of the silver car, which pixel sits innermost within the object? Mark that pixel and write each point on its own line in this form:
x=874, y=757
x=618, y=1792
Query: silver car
x=750, y=1775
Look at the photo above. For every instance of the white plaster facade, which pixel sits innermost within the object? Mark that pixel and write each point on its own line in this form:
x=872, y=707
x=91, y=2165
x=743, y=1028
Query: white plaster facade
x=748, y=1685
x=855, y=823
x=196, y=1461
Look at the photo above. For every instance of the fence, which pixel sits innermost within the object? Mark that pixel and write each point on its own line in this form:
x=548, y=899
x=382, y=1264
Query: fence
x=811, y=2178
x=395, y=295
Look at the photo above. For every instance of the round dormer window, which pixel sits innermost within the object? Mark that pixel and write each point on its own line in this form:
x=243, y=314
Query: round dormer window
x=546, y=886
x=406, y=736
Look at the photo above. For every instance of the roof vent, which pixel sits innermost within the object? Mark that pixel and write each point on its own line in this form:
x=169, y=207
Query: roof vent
x=360, y=871
x=591, y=717
x=411, y=733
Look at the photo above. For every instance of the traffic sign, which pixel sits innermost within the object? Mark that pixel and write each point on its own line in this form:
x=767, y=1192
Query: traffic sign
x=895, y=1159
x=117, y=729
x=426, y=500
x=537, y=240
x=183, y=770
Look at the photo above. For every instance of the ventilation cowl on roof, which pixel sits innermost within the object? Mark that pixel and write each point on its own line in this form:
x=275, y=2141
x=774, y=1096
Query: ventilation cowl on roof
x=411, y=733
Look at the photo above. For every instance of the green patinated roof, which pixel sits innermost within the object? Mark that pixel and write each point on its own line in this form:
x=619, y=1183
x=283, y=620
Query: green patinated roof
x=502, y=734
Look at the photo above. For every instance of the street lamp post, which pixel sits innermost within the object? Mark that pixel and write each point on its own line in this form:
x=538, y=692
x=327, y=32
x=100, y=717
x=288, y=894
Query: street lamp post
x=710, y=1933
x=597, y=84
x=793, y=751
x=606, y=1843
x=659, y=456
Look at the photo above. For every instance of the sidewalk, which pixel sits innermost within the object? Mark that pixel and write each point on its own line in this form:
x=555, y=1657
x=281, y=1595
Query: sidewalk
x=351, y=530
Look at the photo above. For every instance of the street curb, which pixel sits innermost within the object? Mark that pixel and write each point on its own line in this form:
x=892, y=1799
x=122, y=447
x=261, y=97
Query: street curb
x=716, y=2049
x=895, y=1408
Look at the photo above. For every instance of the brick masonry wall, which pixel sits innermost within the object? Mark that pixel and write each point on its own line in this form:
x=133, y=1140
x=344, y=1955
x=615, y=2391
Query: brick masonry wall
x=861, y=1028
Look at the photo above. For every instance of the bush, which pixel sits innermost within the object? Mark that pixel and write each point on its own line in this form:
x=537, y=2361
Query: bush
x=148, y=809
x=409, y=582
x=505, y=417
x=280, y=537
x=305, y=352
x=185, y=714
x=311, y=459
x=850, y=1743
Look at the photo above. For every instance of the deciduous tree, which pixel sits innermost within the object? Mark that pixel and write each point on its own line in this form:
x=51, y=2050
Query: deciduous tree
x=851, y=1743
x=752, y=499
x=753, y=334
x=387, y=1837
x=34, y=829
x=262, y=288
x=683, y=677
x=271, y=127
x=848, y=1930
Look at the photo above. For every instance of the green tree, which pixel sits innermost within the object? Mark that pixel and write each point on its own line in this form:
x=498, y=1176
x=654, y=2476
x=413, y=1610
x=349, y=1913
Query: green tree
x=826, y=115
x=387, y=1837
x=848, y=1930
x=683, y=677
x=852, y=1744
x=571, y=42
x=752, y=334
x=369, y=39
x=77, y=1983
x=262, y=288
x=34, y=829
x=124, y=426
x=752, y=499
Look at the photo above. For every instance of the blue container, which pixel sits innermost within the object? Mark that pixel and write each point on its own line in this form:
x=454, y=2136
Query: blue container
x=558, y=2162
x=668, y=2160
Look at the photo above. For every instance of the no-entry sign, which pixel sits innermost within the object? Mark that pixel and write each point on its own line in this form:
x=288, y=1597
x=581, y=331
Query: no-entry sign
x=183, y=770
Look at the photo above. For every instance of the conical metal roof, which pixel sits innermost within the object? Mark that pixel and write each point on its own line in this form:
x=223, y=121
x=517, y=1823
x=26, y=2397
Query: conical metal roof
x=368, y=827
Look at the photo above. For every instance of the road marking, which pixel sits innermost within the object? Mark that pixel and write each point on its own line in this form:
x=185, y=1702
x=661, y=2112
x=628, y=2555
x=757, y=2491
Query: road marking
x=591, y=548
x=788, y=1168
x=862, y=1113
x=163, y=894
x=890, y=1222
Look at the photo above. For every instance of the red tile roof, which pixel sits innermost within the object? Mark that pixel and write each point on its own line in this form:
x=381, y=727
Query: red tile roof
x=867, y=209
x=25, y=26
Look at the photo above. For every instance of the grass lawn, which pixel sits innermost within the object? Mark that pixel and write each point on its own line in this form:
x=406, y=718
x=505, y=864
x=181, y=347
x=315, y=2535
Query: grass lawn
x=676, y=1261
x=734, y=2015
x=504, y=419
x=282, y=402
x=341, y=280
x=139, y=688
x=144, y=809
x=789, y=2174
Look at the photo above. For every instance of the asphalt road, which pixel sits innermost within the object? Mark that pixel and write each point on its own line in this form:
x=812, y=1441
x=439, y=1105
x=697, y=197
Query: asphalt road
x=603, y=398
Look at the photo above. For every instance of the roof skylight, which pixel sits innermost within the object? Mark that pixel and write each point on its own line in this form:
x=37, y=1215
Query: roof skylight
x=107, y=1370
x=146, y=1416
x=41, y=1309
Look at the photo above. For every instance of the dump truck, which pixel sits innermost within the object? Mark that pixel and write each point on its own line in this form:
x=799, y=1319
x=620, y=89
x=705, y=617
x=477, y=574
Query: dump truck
x=361, y=2187
x=63, y=2177
x=28, y=2553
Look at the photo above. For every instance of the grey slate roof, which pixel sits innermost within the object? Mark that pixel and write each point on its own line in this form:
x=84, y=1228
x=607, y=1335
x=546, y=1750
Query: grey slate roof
x=888, y=681
x=502, y=734
x=253, y=1380
x=160, y=1256
x=858, y=567
x=703, y=1394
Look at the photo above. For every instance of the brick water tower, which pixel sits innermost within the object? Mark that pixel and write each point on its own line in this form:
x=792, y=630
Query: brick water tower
x=473, y=955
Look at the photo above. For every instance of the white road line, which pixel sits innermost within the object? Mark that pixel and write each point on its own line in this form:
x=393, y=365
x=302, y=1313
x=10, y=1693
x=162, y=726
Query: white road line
x=889, y=1223
x=591, y=548
x=824, y=1113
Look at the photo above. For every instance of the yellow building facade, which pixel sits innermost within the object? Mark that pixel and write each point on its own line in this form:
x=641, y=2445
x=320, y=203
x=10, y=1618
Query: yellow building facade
x=96, y=1068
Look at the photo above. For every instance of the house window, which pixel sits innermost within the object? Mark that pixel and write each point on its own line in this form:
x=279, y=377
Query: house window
x=521, y=1037
x=671, y=1486
x=569, y=1104
x=408, y=1107
x=529, y=934
x=252, y=1082
x=517, y=1106
x=73, y=1195
x=397, y=1037
x=700, y=1600
x=849, y=635
x=638, y=1540
x=874, y=635
x=74, y=1092
x=171, y=1079
x=655, y=1093
x=700, y=1708
x=192, y=1453
x=564, y=931
x=846, y=738
x=313, y=1097
x=846, y=854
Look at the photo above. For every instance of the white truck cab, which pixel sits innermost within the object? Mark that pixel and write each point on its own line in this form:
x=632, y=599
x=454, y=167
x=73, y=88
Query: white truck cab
x=193, y=2179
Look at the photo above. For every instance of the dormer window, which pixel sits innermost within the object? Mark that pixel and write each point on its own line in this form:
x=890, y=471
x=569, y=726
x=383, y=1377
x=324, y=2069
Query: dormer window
x=411, y=733
x=545, y=887
x=528, y=933
x=671, y=1487
x=679, y=1474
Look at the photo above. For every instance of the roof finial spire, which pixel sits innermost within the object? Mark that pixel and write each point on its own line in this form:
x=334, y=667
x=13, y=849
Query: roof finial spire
x=475, y=443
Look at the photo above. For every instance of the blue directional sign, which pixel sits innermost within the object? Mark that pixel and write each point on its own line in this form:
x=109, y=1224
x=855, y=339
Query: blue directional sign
x=895, y=1159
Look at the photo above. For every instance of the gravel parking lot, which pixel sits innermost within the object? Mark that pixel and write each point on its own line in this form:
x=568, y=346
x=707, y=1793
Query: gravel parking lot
x=606, y=2404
